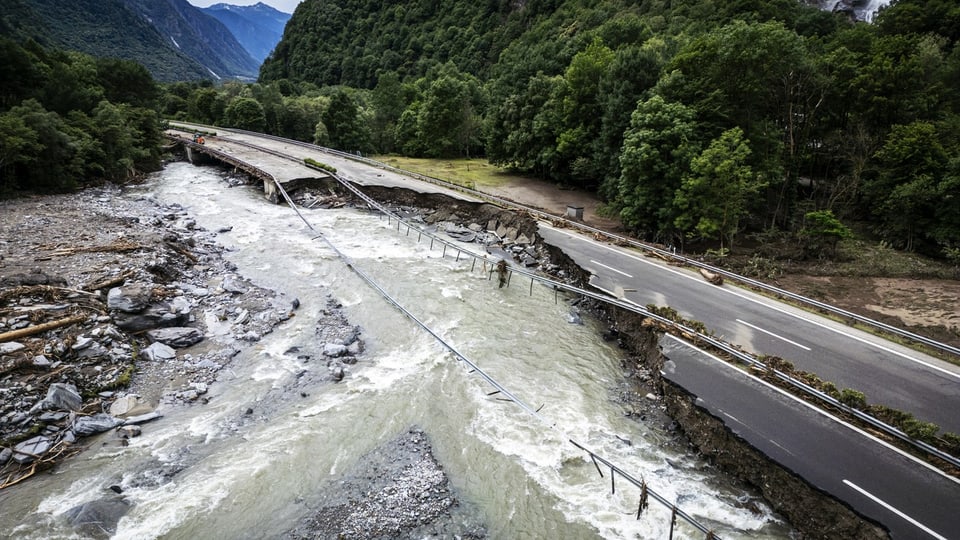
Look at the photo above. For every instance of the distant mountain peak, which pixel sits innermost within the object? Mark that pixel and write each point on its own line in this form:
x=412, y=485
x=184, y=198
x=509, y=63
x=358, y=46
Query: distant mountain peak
x=258, y=28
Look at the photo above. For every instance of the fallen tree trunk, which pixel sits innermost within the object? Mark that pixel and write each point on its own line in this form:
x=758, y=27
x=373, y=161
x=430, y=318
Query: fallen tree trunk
x=31, y=330
x=716, y=279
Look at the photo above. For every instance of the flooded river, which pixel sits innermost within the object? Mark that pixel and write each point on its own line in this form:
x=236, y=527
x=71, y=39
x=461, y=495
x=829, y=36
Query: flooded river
x=254, y=476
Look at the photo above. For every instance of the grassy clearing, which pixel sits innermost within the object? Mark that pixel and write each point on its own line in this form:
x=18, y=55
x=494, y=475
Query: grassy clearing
x=471, y=173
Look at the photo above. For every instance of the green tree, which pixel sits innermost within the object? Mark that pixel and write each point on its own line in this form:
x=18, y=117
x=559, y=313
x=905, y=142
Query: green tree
x=447, y=121
x=245, y=113
x=522, y=130
x=905, y=193
x=822, y=231
x=125, y=81
x=19, y=144
x=657, y=151
x=717, y=192
x=345, y=128
x=389, y=104
x=59, y=168
x=578, y=146
x=633, y=71
x=206, y=106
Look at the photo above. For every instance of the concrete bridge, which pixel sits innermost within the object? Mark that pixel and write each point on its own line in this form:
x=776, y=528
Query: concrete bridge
x=272, y=169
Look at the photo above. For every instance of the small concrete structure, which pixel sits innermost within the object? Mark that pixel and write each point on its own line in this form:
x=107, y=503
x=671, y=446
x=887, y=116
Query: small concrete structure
x=575, y=212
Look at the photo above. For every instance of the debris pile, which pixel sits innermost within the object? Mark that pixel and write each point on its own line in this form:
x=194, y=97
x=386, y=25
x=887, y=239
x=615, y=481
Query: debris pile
x=96, y=333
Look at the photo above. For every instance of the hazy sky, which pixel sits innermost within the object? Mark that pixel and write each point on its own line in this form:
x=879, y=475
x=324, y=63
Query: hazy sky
x=283, y=5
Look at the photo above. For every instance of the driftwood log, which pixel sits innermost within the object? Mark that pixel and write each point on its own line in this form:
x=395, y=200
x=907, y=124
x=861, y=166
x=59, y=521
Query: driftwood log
x=31, y=330
x=714, y=278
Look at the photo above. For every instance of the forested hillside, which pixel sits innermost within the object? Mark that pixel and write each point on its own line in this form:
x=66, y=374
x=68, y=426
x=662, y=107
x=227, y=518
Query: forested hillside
x=67, y=119
x=102, y=28
x=693, y=119
x=173, y=39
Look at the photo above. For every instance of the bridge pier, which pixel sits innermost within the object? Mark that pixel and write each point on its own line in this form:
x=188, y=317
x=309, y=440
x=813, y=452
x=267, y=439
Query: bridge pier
x=196, y=157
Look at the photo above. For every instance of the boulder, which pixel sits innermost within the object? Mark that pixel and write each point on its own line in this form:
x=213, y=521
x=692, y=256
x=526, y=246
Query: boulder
x=99, y=518
x=31, y=449
x=176, y=337
x=41, y=361
x=155, y=316
x=129, y=431
x=158, y=352
x=5, y=455
x=62, y=396
x=98, y=423
x=11, y=347
x=124, y=404
x=129, y=298
x=232, y=285
x=334, y=350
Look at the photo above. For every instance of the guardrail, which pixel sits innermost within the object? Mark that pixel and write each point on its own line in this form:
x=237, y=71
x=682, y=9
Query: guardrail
x=663, y=253
x=741, y=356
x=645, y=490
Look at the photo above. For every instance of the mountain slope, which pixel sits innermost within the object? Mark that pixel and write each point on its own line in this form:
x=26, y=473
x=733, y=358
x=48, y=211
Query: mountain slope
x=258, y=27
x=199, y=35
x=101, y=28
x=350, y=41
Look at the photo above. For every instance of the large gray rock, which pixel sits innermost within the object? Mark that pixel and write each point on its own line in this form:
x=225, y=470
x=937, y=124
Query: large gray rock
x=334, y=350
x=232, y=285
x=98, y=423
x=155, y=316
x=11, y=347
x=159, y=352
x=129, y=298
x=124, y=404
x=5, y=455
x=63, y=396
x=97, y=519
x=177, y=337
x=31, y=449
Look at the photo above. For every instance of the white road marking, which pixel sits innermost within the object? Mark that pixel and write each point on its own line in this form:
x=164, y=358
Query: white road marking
x=912, y=521
x=755, y=327
x=758, y=302
x=814, y=408
x=611, y=268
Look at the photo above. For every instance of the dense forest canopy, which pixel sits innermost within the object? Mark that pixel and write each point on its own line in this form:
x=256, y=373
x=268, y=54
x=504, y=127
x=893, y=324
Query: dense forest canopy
x=67, y=119
x=693, y=119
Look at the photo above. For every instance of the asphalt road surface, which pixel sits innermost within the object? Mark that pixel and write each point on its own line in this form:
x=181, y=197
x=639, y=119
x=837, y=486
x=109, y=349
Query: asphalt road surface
x=907, y=496
x=889, y=374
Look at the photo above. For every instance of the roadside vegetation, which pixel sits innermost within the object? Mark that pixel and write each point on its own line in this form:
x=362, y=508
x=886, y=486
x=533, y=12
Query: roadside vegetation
x=471, y=173
x=68, y=119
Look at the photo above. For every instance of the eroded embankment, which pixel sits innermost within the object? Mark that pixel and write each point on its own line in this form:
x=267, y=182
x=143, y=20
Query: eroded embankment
x=812, y=512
